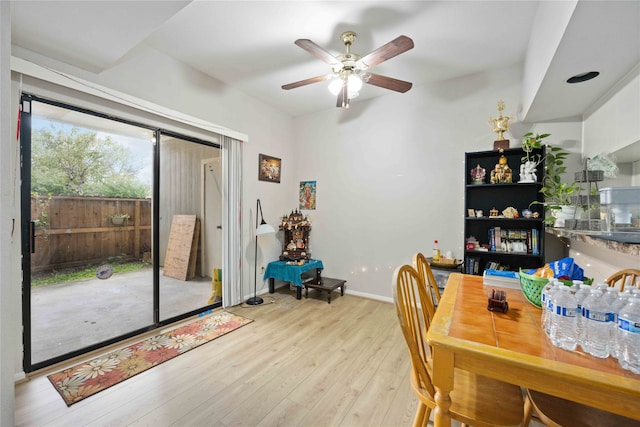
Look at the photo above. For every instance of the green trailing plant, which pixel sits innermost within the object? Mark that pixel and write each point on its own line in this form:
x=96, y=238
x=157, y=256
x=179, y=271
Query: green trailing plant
x=530, y=143
x=119, y=218
x=557, y=193
x=120, y=215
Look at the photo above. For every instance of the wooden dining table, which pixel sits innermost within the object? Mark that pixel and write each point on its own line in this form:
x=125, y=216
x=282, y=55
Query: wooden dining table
x=512, y=347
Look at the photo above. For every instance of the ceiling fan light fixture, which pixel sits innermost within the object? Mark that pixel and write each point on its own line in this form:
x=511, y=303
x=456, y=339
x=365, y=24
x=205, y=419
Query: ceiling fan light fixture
x=335, y=85
x=350, y=70
x=354, y=84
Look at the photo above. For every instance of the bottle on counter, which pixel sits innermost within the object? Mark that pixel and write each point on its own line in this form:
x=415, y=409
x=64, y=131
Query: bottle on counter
x=436, y=251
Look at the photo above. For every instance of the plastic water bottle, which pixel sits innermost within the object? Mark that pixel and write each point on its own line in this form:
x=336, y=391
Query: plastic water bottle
x=614, y=308
x=544, y=301
x=629, y=330
x=582, y=292
x=595, y=312
x=563, y=320
x=610, y=295
x=548, y=307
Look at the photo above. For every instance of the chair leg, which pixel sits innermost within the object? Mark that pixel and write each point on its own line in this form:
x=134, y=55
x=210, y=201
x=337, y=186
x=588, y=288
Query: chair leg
x=420, y=420
x=528, y=411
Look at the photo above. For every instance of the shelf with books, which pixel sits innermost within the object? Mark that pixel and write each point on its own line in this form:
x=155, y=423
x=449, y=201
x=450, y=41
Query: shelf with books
x=494, y=215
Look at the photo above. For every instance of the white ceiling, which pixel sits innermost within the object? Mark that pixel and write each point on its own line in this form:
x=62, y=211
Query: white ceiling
x=249, y=45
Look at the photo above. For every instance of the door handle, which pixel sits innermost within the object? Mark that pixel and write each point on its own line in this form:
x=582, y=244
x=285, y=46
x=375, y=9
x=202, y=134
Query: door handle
x=33, y=237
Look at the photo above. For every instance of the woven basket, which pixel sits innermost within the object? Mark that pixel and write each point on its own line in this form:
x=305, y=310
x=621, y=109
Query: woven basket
x=532, y=287
x=589, y=176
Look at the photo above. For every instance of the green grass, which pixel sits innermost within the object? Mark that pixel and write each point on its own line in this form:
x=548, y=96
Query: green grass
x=69, y=275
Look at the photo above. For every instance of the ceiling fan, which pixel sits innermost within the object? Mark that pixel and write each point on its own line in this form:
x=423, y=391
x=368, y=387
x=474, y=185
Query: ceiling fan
x=349, y=70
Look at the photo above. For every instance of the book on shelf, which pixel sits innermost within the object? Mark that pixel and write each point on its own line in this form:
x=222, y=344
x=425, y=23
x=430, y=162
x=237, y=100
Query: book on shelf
x=472, y=265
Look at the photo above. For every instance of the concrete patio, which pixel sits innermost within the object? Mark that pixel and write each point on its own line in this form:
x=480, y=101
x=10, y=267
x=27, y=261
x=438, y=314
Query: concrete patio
x=74, y=315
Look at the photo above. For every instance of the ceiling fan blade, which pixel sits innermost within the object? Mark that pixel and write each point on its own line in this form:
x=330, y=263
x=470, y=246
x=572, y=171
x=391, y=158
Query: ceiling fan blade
x=306, y=82
x=393, y=48
x=317, y=51
x=343, y=97
x=388, y=83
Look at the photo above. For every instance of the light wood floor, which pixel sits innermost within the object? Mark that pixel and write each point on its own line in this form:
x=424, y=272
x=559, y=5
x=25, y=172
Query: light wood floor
x=301, y=363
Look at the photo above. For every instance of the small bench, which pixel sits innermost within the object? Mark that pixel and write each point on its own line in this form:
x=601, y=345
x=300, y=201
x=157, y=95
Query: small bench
x=327, y=285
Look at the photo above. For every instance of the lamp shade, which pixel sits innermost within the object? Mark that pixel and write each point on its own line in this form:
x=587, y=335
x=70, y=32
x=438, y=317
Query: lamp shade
x=264, y=228
x=354, y=84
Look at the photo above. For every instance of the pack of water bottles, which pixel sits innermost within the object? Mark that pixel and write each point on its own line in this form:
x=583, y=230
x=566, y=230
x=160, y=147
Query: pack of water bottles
x=599, y=319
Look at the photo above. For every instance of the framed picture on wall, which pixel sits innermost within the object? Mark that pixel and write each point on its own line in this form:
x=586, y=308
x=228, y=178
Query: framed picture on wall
x=269, y=168
x=307, y=195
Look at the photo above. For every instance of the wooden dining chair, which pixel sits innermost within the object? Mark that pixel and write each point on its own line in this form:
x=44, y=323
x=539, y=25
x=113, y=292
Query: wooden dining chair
x=622, y=278
x=423, y=268
x=475, y=400
x=557, y=412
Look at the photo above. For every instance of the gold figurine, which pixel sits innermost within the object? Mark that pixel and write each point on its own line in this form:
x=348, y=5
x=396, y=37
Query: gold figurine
x=500, y=126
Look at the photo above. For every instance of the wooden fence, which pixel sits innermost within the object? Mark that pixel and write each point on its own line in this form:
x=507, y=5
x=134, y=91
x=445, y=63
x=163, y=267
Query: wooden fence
x=78, y=231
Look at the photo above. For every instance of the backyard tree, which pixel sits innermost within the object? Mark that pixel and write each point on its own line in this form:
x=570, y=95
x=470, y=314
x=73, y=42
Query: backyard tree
x=80, y=163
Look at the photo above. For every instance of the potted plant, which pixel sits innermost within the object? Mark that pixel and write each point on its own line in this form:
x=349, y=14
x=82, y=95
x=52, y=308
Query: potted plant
x=557, y=193
x=119, y=218
x=531, y=160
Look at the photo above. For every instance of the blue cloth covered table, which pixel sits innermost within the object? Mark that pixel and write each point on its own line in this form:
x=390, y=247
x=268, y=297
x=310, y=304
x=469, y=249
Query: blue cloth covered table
x=291, y=273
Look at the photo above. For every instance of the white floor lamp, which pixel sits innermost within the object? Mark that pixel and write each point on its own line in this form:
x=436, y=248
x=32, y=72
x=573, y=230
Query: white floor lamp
x=263, y=228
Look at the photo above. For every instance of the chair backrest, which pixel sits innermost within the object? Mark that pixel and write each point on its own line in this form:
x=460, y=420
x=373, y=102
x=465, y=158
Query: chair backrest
x=423, y=268
x=622, y=278
x=415, y=311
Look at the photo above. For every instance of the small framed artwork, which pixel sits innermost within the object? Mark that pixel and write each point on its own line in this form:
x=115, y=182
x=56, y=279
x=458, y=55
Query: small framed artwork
x=307, y=195
x=269, y=168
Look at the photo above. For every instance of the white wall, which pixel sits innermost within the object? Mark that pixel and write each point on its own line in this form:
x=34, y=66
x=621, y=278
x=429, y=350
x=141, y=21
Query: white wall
x=613, y=123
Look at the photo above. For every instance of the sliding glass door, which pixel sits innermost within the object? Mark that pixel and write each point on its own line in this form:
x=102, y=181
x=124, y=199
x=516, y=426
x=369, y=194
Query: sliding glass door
x=96, y=232
x=190, y=225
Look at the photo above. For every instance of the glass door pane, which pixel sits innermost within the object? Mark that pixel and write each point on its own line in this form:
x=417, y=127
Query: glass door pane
x=90, y=275
x=190, y=239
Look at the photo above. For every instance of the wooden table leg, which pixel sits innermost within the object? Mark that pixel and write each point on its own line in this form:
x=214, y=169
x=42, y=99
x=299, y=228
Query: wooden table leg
x=443, y=383
x=298, y=292
x=272, y=286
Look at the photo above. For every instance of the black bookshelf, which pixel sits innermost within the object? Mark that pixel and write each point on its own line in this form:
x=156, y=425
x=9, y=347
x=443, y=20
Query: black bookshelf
x=524, y=244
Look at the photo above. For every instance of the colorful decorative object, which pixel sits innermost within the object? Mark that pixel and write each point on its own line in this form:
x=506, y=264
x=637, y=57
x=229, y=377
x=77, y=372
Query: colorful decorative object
x=307, y=195
x=296, y=229
x=510, y=212
x=88, y=378
x=501, y=173
x=477, y=175
x=269, y=168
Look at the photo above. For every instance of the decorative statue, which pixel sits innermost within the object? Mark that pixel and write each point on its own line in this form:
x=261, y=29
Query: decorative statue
x=528, y=172
x=501, y=173
x=500, y=123
x=478, y=174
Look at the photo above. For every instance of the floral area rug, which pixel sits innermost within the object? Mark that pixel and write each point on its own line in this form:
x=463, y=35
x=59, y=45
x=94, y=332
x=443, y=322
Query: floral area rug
x=86, y=379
